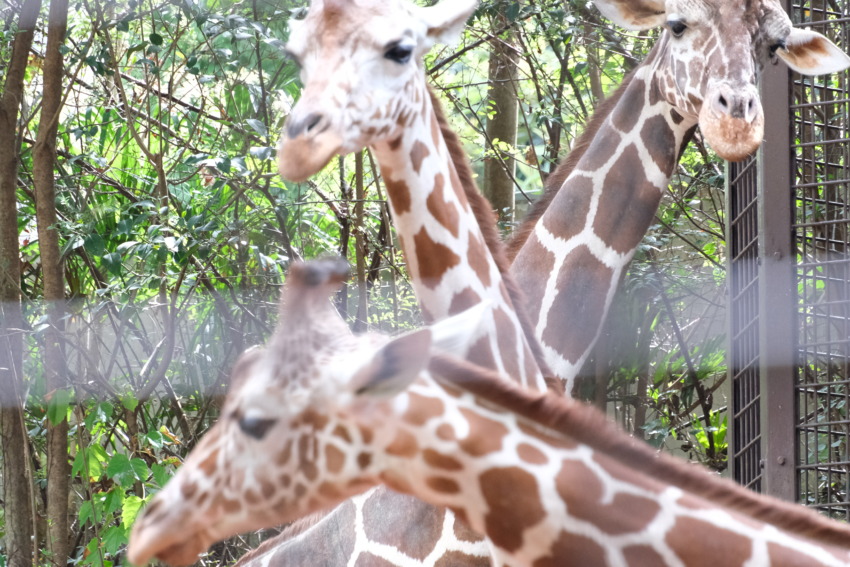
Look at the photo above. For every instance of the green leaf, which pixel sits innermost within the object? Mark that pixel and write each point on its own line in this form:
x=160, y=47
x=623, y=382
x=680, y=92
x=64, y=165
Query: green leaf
x=90, y=460
x=132, y=505
x=160, y=474
x=258, y=127
x=155, y=38
x=140, y=468
x=114, y=537
x=94, y=244
x=262, y=153
x=86, y=512
x=121, y=470
x=114, y=501
x=130, y=402
x=57, y=408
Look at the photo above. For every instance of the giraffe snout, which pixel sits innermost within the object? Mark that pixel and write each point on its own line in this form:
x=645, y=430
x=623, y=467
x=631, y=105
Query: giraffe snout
x=743, y=105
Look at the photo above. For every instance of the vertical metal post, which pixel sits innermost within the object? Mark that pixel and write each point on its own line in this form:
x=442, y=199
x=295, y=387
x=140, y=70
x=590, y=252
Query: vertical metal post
x=778, y=300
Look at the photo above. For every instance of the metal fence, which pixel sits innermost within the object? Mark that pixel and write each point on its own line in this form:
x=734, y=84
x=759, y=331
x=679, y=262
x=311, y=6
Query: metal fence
x=789, y=244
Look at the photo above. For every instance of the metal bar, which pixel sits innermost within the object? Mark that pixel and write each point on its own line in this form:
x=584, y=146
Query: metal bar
x=777, y=300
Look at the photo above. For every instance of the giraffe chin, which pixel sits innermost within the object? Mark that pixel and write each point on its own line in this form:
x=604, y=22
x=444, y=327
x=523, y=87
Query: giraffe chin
x=733, y=139
x=180, y=553
x=299, y=158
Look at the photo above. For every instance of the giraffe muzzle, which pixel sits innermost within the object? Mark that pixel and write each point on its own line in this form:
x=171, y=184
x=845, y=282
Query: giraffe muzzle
x=732, y=121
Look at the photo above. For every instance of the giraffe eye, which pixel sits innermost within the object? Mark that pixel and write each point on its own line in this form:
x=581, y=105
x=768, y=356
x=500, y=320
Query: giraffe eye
x=399, y=52
x=677, y=27
x=256, y=427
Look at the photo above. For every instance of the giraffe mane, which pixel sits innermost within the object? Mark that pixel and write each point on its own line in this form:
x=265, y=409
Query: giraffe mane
x=577, y=421
x=486, y=217
x=565, y=168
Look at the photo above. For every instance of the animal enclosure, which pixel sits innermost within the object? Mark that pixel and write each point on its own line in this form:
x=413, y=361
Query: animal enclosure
x=789, y=285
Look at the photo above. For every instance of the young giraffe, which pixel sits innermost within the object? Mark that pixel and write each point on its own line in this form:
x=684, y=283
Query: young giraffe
x=322, y=414
x=364, y=85
x=570, y=253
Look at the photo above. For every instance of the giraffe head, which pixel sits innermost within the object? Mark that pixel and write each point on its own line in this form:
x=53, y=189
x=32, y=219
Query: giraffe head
x=302, y=427
x=361, y=62
x=711, y=54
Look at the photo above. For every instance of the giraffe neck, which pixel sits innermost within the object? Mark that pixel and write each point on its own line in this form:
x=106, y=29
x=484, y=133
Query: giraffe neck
x=573, y=258
x=427, y=537
x=549, y=481
x=449, y=259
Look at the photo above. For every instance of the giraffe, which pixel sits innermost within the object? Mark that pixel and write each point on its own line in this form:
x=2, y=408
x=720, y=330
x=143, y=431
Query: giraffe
x=321, y=414
x=364, y=86
x=571, y=251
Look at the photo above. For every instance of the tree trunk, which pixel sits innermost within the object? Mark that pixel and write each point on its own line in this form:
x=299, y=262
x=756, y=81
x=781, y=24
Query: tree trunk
x=499, y=168
x=44, y=159
x=17, y=487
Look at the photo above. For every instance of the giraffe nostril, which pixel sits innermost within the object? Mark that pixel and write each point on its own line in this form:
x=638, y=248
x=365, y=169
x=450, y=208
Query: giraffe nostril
x=723, y=102
x=313, y=121
x=307, y=125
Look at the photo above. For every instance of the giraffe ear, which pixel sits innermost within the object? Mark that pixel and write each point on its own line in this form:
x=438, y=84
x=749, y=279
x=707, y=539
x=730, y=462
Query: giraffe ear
x=394, y=366
x=810, y=53
x=633, y=14
x=398, y=363
x=446, y=19
x=454, y=335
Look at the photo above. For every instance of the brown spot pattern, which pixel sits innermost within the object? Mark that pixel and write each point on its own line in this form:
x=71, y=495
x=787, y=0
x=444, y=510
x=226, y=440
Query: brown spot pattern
x=438, y=460
x=531, y=454
x=404, y=445
x=434, y=259
x=506, y=337
x=463, y=300
x=444, y=213
x=188, y=489
x=531, y=270
x=485, y=435
x=713, y=542
x=364, y=460
x=210, y=464
x=660, y=142
x=406, y=519
x=641, y=556
x=582, y=491
x=367, y=559
x=627, y=204
x=334, y=458
x=462, y=531
x=571, y=208
x=479, y=259
x=481, y=354
x=418, y=154
x=442, y=485
x=628, y=111
x=513, y=505
x=572, y=549
x=455, y=558
x=600, y=151
x=582, y=286
x=421, y=409
x=398, y=192
x=341, y=432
